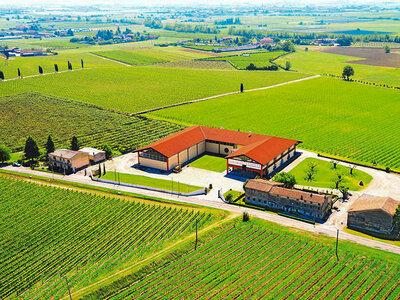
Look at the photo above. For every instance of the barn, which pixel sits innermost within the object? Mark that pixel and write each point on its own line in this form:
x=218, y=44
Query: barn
x=250, y=154
x=373, y=213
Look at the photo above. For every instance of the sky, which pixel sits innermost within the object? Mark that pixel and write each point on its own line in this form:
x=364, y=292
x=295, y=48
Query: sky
x=178, y=2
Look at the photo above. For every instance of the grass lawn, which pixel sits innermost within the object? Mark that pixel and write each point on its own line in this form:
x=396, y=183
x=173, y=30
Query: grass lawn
x=331, y=116
x=235, y=194
x=210, y=162
x=151, y=182
x=326, y=173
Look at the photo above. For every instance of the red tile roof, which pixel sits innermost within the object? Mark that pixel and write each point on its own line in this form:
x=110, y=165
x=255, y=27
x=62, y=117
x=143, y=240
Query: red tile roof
x=369, y=202
x=275, y=188
x=261, y=148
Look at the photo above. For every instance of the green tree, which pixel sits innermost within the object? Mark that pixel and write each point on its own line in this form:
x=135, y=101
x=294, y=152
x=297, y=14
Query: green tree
x=288, y=46
x=396, y=217
x=387, y=49
x=40, y=70
x=347, y=72
x=311, y=171
x=74, y=143
x=31, y=149
x=287, y=179
x=288, y=65
x=49, y=145
x=107, y=149
x=246, y=216
x=4, y=154
x=338, y=180
x=1, y=75
x=229, y=197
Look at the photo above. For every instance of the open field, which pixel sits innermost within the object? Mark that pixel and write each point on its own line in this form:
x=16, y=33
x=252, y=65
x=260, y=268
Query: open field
x=258, y=59
x=52, y=232
x=39, y=115
x=260, y=260
x=30, y=65
x=130, y=57
x=326, y=174
x=136, y=89
x=332, y=116
x=316, y=62
x=210, y=162
x=198, y=64
x=151, y=182
x=373, y=57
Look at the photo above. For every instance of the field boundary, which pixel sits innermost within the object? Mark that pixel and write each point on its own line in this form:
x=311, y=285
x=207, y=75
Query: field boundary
x=112, y=59
x=44, y=74
x=223, y=95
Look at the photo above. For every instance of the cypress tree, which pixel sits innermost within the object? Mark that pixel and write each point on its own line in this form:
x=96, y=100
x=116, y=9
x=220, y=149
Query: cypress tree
x=241, y=88
x=49, y=145
x=19, y=73
x=1, y=75
x=74, y=143
x=40, y=70
x=82, y=63
x=31, y=149
x=56, y=67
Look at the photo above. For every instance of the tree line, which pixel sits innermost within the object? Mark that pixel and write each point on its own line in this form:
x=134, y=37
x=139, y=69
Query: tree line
x=40, y=69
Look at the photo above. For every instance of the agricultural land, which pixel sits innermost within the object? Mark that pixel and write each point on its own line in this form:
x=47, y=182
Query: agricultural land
x=344, y=130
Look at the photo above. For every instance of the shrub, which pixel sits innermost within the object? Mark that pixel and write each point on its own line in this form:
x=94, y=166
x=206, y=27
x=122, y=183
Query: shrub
x=229, y=197
x=246, y=216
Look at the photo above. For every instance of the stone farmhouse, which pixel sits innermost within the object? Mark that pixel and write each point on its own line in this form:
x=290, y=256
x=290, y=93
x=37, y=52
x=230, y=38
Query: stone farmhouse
x=274, y=196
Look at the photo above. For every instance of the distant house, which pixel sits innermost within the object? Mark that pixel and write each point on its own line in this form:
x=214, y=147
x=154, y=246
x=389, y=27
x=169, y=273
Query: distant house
x=373, y=214
x=95, y=155
x=267, y=41
x=274, y=196
x=32, y=53
x=68, y=160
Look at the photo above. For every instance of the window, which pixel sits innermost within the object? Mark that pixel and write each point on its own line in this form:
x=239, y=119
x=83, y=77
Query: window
x=154, y=155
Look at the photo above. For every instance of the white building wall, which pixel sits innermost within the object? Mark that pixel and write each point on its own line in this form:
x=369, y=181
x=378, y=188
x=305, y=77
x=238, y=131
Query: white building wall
x=161, y=165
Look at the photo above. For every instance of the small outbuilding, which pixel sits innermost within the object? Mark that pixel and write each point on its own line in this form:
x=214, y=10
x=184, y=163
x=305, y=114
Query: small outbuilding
x=95, y=155
x=373, y=213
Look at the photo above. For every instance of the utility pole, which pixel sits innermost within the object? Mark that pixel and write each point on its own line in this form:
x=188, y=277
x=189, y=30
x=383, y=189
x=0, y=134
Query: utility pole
x=337, y=242
x=69, y=291
x=195, y=245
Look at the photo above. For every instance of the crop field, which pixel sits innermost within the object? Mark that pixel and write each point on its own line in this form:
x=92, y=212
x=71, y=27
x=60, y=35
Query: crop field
x=130, y=57
x=326, y=174
x=256, y=261
x=315, y=62
x=258, y=59
x=198, y=64
x=49, y=233
x=372, y=56
x=355, y=121
x=39, y=115
x=133, y=89
x=30, y=65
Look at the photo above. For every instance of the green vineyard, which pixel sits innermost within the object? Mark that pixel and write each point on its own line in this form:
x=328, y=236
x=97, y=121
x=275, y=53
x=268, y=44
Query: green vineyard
x=256, y=262
x=51, y=233
x=40, y=115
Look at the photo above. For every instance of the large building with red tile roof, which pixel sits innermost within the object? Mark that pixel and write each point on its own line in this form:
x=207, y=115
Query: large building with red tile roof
x=244, y=151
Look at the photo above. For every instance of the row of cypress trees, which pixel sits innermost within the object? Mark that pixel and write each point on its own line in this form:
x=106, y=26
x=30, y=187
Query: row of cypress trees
x=2, y=77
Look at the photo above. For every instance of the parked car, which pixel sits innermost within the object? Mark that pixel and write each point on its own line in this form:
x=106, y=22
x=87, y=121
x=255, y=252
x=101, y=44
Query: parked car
x=15, y=164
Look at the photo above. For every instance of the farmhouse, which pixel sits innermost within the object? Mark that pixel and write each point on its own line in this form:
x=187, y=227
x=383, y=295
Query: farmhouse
x=68, y=160
x=373, y=214
x=250, y=154
x=273, y=195
x=95, y=155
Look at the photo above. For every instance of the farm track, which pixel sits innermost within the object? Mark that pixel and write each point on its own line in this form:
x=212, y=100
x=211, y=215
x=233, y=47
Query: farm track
x=110, y=59
x=224, y=95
